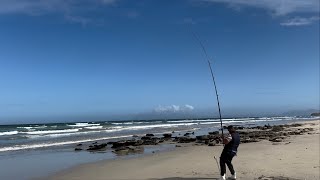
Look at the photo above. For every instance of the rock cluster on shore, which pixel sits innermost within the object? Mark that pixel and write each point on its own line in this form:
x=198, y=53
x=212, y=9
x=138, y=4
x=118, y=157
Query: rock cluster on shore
x=275, y=134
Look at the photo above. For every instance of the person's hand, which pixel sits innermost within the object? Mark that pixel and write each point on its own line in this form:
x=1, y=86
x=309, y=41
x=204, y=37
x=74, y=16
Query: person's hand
x=227, y=139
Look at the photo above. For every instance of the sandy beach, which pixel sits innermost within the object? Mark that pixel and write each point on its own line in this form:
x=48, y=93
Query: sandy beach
x=296, y=157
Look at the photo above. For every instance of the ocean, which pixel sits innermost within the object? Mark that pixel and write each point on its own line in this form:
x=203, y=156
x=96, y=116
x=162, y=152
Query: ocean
x=47, y=148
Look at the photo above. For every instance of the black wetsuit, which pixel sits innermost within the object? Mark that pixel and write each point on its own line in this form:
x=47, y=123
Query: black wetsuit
x=229, y=151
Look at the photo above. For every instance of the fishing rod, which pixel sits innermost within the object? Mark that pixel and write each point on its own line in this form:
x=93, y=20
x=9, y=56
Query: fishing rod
x=213, y=78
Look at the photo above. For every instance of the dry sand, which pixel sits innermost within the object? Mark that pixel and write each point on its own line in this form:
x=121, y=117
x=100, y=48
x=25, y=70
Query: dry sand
x=298, y=159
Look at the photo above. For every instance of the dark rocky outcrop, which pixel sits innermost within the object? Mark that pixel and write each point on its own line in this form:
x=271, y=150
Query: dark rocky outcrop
x=315, y=114
x=128, y=149
x=277, y=128
x=126, y=143
x=214, y=133
x=167, y=135
x=97, y=147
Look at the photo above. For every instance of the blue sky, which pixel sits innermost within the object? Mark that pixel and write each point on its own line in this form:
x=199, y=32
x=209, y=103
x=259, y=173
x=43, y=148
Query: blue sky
x=113, y=59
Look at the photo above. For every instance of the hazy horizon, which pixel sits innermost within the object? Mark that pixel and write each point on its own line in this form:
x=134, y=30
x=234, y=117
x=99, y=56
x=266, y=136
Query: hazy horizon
x=152, y=116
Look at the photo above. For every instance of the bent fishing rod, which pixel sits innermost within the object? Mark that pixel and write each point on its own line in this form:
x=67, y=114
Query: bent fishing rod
x=213, y=78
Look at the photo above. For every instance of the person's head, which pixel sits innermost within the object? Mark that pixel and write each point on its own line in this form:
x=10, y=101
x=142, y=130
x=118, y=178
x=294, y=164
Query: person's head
x=231, y=129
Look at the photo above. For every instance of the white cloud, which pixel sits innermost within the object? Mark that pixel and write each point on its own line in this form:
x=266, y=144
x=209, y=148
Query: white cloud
x=173, y=108
x=35, y=7
x=189, y=107
x=277, y=7
x=73, y=11
x=300, y=21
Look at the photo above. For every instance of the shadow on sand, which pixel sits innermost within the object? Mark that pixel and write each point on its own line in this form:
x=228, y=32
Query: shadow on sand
x=199, y=178
x=192, y=178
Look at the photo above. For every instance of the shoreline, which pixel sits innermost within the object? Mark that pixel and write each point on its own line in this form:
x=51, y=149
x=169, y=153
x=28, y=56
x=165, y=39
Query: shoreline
x=297, y=153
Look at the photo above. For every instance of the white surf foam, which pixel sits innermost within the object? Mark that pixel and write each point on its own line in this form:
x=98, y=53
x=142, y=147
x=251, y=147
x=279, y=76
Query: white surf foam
x=53, y=131
x=25, y=127
x=82, y=125
x=42, y=145
x=127, y=123
x=94, y=127
x=8, y=133
x=210, y=123
x=39, y=127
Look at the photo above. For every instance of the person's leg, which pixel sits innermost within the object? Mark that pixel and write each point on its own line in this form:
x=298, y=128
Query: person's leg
x=228, y=160
x=223, y=164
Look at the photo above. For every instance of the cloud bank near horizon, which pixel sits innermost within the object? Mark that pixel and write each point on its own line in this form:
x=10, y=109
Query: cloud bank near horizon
x=173, y=108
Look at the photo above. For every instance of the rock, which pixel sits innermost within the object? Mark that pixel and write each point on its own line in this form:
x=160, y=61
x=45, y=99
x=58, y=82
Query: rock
x=276, y=139
x=214, y=133
x=315, y=114
x=211, y=144
x=138, y=143
x=129, y=149
x=296, y=125
x=79, y=144
x=187, y=134
x=277, y=128
x=167, y=135
x=135, y=148
x=149, y=135
x=202, y=138
x=97, y=147
x=127, y=143
x=118, y=144
x=267, y=126
x=243, y=132
x=248, y=140
x=78, y=149
x=151, y=141
x=121, y=150
x=178, y=145
x=135, y=136
x=146, y=138
x=297, y=133
x=186, y=139
x=110, y=142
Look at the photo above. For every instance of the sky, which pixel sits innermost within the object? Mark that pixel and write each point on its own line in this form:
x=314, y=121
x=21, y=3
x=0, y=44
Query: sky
x=64, y=60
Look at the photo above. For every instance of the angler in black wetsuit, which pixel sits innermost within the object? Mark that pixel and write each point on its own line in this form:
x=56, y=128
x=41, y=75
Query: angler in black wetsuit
x=229, y=151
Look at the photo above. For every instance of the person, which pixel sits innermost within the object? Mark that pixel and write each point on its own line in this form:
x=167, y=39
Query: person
x=231, y=144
